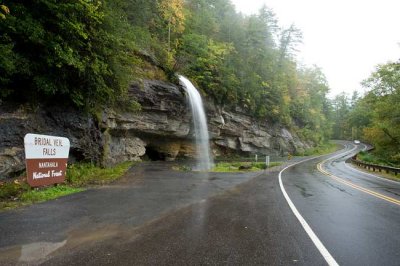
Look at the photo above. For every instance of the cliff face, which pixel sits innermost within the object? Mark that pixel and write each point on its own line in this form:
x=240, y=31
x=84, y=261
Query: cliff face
x=160, y=131
x=16, y=121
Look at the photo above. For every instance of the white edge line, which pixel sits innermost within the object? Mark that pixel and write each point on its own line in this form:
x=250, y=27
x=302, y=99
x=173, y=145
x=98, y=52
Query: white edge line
x=324, y=252
x=351, y=167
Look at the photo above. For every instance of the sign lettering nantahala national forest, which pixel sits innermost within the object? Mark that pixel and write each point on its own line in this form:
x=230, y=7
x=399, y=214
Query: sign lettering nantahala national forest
x=46, y=159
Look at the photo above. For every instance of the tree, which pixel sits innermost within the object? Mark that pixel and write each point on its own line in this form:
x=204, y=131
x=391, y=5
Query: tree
x=207, y=66
x=76, y=50
x=309, y=107
x=87, y=53
x=383, y=100
x=172, y=12
x=270, y=22
x=341, y=109
x=289, y=40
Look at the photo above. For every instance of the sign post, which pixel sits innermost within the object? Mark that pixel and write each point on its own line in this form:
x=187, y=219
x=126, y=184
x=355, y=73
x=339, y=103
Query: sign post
x=46, y=159
x=267, y=161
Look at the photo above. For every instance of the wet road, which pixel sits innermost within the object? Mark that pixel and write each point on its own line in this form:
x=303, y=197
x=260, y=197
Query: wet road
x=156, y=216
x=355, y=215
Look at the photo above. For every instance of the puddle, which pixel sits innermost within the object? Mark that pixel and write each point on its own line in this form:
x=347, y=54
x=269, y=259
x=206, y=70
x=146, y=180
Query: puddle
x=40, y=250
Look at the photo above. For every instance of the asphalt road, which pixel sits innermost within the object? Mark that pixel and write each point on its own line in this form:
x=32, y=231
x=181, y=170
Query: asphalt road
x=156, y=216
x=355, y=215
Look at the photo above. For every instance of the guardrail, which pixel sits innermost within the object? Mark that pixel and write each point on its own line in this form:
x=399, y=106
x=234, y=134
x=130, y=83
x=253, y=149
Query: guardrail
x=375, y=167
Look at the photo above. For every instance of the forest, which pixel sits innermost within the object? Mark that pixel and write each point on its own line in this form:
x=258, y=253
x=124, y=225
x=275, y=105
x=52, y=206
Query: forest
x=88, y=52
x=375, y=116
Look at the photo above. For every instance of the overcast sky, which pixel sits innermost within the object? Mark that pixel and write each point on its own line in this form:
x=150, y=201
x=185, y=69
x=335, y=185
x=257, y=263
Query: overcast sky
x=346, y=38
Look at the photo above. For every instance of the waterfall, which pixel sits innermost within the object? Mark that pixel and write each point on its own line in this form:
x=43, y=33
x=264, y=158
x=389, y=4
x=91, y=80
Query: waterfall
x=205, y=161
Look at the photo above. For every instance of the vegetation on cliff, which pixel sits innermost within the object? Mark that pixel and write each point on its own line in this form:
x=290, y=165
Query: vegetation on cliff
x=87, y=52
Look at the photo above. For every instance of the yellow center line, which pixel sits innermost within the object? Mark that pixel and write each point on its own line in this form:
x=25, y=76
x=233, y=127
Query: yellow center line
x=350, y=184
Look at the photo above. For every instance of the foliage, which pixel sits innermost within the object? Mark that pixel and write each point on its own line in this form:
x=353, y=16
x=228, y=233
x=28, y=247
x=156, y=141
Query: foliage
x=10, y=190
x=375, y=118
x=250, y=62
x=320, y=150
x=309, y=107
x=33, y=196
x=87, y=52
x=207, y=59
x=235, y=166
x=383, y=131
x=18, y=192
x=341, y=109
x=76, y=50
x=86, y=173
x=375, y=158
x=4, y=11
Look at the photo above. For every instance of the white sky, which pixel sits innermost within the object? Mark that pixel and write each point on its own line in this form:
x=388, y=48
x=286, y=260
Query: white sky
x=346, y=38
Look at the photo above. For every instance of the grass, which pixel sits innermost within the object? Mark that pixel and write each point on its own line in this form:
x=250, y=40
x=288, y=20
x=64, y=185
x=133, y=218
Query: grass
x=234, y=166
x=372, y=158
x=319, y=150
x=18, y=193
x=88, y=174
x=21, y=196
x=382, y=174
x=11, y=190
x=39, y=195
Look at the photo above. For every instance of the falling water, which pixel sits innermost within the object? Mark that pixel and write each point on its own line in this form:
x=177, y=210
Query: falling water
x=200, y=125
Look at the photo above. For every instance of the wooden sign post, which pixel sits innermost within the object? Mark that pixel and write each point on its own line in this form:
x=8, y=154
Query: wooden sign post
x=46, y=159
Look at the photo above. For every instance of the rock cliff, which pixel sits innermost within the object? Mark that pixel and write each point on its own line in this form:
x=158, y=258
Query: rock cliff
x=160, y=131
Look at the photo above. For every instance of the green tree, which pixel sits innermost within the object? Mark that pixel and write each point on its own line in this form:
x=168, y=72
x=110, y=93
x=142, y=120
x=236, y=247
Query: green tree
x=341, y=109
x=89, y=51
x=383, y=100
x=310, y=107
x=290, y=38
x=78, y=50
x=207, y=66
x=172, y=13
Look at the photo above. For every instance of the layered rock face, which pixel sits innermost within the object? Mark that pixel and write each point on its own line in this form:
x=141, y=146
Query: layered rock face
x=16, y=121
x=162, y=130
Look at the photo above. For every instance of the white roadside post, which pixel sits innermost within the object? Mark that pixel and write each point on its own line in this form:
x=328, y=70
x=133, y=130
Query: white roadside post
x=256, y=157
x=267, y=161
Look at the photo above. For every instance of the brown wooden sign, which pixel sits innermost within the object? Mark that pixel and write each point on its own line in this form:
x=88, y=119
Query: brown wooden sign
x=46, y=159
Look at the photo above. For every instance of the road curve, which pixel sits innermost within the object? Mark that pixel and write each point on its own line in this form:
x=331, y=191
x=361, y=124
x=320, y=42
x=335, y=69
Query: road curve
x=355, y=215
x=156, y=216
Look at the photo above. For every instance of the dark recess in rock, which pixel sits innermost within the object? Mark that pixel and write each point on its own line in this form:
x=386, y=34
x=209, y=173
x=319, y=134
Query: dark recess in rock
x=161, y=131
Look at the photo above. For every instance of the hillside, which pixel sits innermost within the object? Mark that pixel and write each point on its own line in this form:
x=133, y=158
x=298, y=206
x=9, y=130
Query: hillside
x=87, y=56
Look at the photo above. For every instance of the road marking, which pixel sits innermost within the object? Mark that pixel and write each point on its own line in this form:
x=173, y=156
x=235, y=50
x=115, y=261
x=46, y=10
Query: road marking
x=365, y=147
x=351, y=184
x=352, y=168
x=324, y=252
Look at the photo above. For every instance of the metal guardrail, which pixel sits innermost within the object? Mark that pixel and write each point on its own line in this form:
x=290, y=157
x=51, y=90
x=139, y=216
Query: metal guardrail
x=375, y=167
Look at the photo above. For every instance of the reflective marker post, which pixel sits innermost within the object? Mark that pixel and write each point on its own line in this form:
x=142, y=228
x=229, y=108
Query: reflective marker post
x=267, y=161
